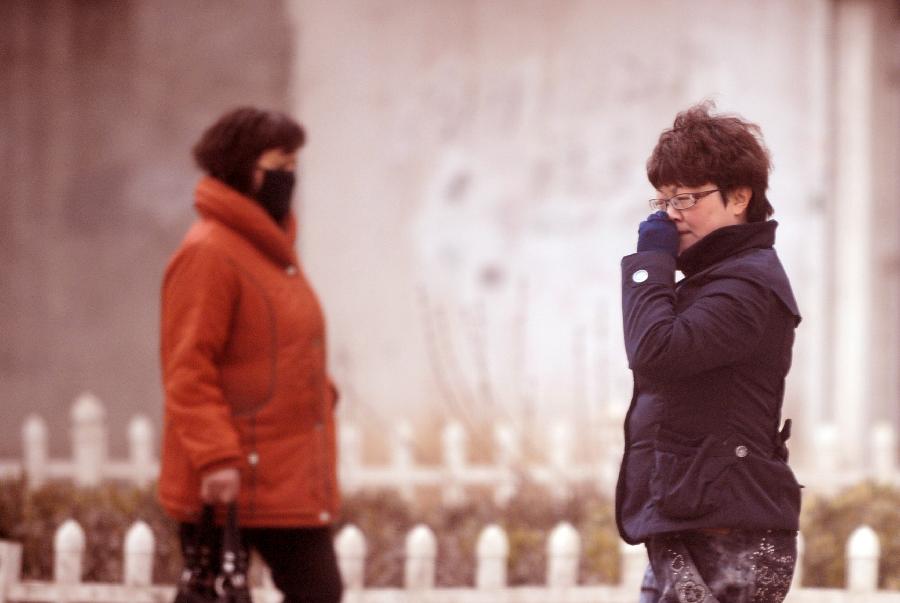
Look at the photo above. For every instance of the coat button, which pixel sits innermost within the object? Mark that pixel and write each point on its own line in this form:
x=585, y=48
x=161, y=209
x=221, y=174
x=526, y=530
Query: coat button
x=253, y=458
x=291, y=270
x=741, y=451
x=639, y=276
x=324, y=516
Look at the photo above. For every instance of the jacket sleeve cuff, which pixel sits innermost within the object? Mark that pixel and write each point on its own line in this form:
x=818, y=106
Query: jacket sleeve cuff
x=648, y=267
x=232, y=462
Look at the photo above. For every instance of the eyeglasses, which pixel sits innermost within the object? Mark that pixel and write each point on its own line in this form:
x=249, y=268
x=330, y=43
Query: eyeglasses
x=680, y=201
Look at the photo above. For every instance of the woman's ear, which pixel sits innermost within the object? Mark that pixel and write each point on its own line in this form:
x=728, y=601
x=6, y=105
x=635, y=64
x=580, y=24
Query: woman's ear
x=739, y=200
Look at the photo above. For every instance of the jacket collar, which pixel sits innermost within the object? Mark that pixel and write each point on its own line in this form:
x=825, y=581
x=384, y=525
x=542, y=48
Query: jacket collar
x=726, y=242
x=217, y=201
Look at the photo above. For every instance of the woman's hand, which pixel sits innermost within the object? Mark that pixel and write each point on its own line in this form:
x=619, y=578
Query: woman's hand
x=658, y=233
x=220, y=486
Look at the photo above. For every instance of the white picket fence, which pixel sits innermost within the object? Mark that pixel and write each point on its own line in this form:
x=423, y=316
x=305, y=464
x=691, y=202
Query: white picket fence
x=90, y=463
x=492, y=552
x=559, y=468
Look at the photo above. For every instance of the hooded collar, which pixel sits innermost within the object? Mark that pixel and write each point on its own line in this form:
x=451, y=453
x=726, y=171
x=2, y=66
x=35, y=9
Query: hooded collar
x=726, y=242
x=217, y=201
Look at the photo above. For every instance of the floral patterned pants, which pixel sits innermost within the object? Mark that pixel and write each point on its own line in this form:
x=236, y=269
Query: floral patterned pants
x=733, y=566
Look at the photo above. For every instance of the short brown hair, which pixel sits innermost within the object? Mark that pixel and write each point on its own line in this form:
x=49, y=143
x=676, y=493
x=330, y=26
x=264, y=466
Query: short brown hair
x=229, y=148
x=723, y=149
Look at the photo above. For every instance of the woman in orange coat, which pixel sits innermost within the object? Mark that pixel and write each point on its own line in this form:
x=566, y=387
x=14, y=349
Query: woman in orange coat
x=249, y=405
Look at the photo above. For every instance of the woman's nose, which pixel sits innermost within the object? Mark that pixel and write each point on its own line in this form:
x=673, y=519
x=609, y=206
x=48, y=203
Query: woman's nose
x=673, y=213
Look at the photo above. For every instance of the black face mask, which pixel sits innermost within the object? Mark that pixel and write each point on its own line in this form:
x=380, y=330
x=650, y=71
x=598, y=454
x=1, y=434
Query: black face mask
x=275, y=193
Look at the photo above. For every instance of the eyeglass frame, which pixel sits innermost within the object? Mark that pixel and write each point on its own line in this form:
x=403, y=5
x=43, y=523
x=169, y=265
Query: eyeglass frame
x=694, y=196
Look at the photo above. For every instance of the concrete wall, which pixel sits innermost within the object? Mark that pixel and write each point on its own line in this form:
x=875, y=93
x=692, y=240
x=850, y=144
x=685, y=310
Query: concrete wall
x=487, y=159
x=99, y=105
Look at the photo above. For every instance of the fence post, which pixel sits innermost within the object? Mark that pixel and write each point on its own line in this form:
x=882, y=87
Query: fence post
x=139, y=545
x=493, y=551
x=507, y=447
x=402, y=458
x=421, y=553
x=68, y=551
x=633, y=563
x=863, y=551
x=884, y=452
x=88, y=440
x=826, y=446
x=351, y=456
x=797, y=580
x=454, y=441
x=34, y=450
x=140, y=444
x=350, y=545
x=563, y=550
x=10, y=566
x=561, y=442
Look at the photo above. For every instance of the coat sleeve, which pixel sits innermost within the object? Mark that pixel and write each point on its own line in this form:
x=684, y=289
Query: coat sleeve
x=199, y=294
x=722, y=325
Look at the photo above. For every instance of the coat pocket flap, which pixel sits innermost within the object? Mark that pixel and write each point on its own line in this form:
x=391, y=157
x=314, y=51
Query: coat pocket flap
x=687, y=472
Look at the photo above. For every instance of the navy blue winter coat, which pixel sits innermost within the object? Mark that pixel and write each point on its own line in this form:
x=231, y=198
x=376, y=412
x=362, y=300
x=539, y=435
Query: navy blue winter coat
x=709, y=357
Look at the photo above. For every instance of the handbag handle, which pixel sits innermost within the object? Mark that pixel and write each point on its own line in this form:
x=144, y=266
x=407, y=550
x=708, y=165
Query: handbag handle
x=197, y=581
x=231, y=541
x=202, y=541
x=234, y=558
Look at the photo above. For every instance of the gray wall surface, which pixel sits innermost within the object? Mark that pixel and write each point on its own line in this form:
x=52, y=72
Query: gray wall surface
x=477, y=172
x=100, y=103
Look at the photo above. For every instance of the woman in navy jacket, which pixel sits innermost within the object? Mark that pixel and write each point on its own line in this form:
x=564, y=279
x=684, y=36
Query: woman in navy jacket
x=704, y=481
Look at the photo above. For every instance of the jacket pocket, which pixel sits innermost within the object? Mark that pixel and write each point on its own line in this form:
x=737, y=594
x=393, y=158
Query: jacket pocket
x=776, y=486
x=688, y=474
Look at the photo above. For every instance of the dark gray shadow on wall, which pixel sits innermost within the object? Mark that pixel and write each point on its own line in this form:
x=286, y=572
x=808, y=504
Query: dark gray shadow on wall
x=100, y=102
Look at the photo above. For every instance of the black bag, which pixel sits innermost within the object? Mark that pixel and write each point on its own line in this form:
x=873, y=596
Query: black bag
x=201, y=581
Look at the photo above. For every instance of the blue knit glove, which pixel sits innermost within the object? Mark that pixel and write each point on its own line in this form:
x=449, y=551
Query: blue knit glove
x=658, y=233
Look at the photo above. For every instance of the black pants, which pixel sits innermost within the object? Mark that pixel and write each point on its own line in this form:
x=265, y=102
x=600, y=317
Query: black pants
x=302, y=560
x=740, y=566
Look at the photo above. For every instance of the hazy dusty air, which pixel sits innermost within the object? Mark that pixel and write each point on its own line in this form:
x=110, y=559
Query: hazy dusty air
x=474, y=173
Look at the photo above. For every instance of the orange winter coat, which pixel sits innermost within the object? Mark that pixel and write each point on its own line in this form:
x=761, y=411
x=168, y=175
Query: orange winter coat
x=243, y=363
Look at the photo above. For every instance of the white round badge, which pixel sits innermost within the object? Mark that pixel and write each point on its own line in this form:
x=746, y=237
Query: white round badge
x=640, y=276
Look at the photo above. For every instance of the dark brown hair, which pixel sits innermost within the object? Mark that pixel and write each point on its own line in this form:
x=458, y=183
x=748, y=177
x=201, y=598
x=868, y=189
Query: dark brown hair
x=722, y=149
x=229, y=148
